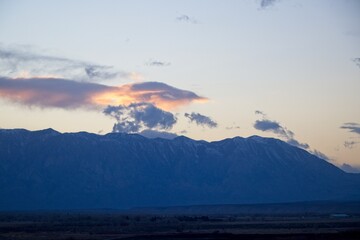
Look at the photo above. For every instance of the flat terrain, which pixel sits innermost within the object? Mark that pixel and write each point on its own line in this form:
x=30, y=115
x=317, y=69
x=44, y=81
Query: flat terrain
x=112, y=225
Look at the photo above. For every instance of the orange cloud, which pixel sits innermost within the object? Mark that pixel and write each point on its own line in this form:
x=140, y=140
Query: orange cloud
x=63, y=93
x=159, y=94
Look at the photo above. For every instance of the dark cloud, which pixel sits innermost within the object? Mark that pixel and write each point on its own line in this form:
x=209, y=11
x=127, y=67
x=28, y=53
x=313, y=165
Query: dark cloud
x=267, y=3
x=126, y=127
x=201, y=120
x=45, y=92
x=186, y=18
x=64, y=93
x=296, y=143
x=140, y=116
x=357, y=61
x=157, y=134
x=352, y=127
x=267, y=125
x=156, y=63
x=350, y=144
x=20, y=63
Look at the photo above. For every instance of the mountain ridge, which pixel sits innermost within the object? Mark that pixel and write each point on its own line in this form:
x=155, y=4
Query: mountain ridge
x=47, y=169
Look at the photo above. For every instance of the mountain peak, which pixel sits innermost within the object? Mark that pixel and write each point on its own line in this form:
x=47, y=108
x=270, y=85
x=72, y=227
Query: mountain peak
x=47, y=131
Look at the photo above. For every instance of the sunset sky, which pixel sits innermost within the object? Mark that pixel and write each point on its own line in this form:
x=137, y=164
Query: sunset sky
x=205, y=69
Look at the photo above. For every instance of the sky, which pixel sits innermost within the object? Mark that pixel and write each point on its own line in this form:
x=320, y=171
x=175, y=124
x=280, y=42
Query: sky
x=206, y=69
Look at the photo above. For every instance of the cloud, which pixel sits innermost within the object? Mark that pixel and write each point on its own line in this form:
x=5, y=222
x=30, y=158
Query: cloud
x=232, y=127
x=349, y=169
x=296, y=143
x=19, y=63
x=186, y=18
x=136, y=117
x=357, y=61
x=157, y=134
x=267, y=125
x=201, y=120
x=156, y=63
x=101, y=72
x=49, y=92
x=350, y=144
x=352, y=127
x=267, y=3
x=161, y=94
x=257, y=112
x=64, y=93
x=321, y=155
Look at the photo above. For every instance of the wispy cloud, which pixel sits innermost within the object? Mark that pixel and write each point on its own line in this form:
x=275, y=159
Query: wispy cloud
x=186, y=18
x=137, y=117
x=64, y=93
x=349, y=169
x=258, y=112
x=321, y=155
x=201, y=120
x=157, y=63
x=15, y=62
x=232, y=127
x=267, y=125
x=357, y=61
x=267, y=3
x=352, y=127
x=350, y=144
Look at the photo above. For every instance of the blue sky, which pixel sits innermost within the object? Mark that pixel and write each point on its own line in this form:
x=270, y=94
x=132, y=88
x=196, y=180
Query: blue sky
x=296, y=62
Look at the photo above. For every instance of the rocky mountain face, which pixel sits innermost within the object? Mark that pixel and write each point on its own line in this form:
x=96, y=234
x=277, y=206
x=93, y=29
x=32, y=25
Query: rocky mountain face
x=50, y=170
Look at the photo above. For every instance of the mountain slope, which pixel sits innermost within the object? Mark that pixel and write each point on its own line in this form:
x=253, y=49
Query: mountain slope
x=49, y=170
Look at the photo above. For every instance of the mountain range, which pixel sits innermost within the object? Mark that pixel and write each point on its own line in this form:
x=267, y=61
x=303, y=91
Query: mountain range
x=50, y=170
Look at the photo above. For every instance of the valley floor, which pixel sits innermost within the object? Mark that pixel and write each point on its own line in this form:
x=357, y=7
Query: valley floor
x=105, y=225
